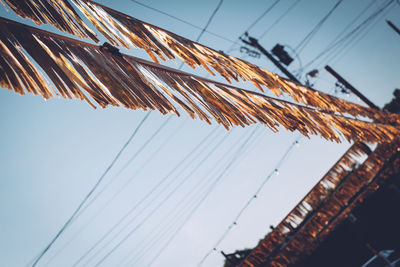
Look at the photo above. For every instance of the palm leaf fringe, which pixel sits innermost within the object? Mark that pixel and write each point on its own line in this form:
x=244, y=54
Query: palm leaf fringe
x=121, y=29
x=59, y=13
x=79, y=70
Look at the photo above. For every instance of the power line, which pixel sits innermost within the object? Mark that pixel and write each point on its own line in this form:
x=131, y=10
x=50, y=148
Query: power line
x=182, y=212
x=209, y=20
x=203, y=30
x=353, y=42
x=348, y=26
x=175, y=217
x=124, y=186
x=112, y=180
x=131, y=159
x=164, y=230
x=207, y=24
x=285, y=13
x=303, y=43
x=240, y=151
x=184, y=200
x=156, y=239
x=187, y=156
x=262, y=15
x=75, y=214
x=394, y=27
x=183, y=21
x=351, y=33
x=70, y=220
x=191, y=193
x=188, y=205
x=254, y=23
x=210, y=188
x=254, y=196
x=144, y=145
x=165, y=199
x=189, y=198
x=275, y=170
x=144, y=208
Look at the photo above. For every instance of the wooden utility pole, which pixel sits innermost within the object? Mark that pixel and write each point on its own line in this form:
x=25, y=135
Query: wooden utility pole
x=350, y=87
x=393, y=26
x=254, y=43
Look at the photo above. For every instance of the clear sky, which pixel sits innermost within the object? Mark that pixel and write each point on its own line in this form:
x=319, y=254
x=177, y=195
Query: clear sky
x=52, y=152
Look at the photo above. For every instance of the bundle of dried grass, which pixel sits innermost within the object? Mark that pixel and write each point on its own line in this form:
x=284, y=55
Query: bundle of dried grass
x=121, y=29
x=59, y=13
x=85, y=71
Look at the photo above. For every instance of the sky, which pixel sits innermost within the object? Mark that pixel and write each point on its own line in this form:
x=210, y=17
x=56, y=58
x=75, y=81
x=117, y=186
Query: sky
x=53, y=151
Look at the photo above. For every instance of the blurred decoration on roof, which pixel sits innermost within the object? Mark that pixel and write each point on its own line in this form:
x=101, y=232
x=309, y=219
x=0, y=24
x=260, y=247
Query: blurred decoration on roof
x=359, y=173
x=347, y=184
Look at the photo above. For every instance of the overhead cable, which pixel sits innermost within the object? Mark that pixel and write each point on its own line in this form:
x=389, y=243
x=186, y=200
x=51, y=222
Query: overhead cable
x=269, y=8
x=359, y=36
x=184, y=21
x=162, y=202
x=240, y=151
x=274, y=171
x=190, y=197
x=150, y=202
x=173, y=217
x=262, y=15
x=206, y=26
x=210, y=189
x=303, y=43
x=209, y=20
x=351, y=33
x=285, y=13
x=123, y=187
x=346, y=28
x=71, y=219
x=149, y=193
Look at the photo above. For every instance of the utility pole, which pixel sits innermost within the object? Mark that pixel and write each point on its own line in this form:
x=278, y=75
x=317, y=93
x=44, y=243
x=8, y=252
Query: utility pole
x=254, y=43
x=350, y=87
x=393, y=26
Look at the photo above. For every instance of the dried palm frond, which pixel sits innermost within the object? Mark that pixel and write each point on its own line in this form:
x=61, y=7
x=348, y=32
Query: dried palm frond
x=59, y=13
x=121, y=29
x=80, y=70
x=124, y=30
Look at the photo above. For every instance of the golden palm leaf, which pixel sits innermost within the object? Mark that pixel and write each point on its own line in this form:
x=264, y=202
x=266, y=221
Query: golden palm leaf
x=103, y=75
x=121, y=29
